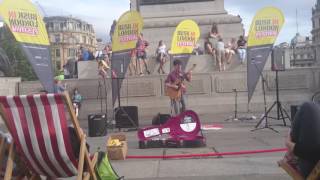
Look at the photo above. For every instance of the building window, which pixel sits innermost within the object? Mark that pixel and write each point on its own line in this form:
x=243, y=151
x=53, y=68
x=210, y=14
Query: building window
x=71, y=52
x=58, y=65
x=298, y=56
x=57, y=53
x=84, y=39
x=57, y=38
x=313, y=24
x=70, y=26
x=56, y=27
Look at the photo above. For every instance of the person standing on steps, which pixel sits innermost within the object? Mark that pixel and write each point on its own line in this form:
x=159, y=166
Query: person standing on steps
x=141, y=47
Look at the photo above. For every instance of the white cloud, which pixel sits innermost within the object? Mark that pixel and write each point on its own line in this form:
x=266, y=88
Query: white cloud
x=99, y=13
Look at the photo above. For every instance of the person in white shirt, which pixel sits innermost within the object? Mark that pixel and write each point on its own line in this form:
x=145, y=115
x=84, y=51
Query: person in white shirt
x=161, y=55
x=220, y=54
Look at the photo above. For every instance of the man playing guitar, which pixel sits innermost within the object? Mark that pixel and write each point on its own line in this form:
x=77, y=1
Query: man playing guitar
x=175, y=88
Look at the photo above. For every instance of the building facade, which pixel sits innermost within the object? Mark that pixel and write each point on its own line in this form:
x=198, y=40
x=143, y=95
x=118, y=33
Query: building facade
x=316, y=30
x=302, y=52
x=67, y=35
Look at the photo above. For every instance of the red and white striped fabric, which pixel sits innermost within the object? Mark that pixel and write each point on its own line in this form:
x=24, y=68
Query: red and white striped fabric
x=39, y=129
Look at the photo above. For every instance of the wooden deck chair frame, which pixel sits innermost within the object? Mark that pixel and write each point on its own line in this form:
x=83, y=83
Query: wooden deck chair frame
x=84, y=157
x=5, y=146
x=314, y=175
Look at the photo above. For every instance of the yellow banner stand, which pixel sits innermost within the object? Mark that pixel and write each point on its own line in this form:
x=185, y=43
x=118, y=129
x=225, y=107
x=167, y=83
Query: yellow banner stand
x=126, y=33
x=24, y=21
x=185, y=37
x=265, y=26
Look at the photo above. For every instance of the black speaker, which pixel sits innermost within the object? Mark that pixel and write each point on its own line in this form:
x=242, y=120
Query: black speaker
x=278, y=60
x=160, y=119
x=97, y=125
x=123, y=116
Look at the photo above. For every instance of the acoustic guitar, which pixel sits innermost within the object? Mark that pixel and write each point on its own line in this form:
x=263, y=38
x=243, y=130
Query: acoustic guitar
x=175, y=94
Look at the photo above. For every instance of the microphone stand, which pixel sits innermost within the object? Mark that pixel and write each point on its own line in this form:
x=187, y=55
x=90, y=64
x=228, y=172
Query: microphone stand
x=235, y=118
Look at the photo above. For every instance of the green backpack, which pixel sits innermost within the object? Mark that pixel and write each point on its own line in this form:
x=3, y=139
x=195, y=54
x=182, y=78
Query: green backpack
x=104, y=170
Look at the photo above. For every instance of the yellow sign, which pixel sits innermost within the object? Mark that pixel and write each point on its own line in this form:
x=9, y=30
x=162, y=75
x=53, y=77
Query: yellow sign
x=128, y=28
x=24, y=21
x=185, y=37
x=265, y=26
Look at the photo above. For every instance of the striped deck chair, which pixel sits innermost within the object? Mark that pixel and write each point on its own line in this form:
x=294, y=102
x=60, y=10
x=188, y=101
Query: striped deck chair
x=38, y=125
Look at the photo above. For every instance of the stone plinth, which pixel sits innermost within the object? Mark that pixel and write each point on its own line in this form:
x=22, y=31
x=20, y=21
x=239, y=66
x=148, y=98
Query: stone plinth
x=161, y=9
x=87, y=69
x=162, y=17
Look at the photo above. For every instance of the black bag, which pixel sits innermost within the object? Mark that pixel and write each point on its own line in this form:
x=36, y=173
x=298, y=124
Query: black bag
x=160, y=119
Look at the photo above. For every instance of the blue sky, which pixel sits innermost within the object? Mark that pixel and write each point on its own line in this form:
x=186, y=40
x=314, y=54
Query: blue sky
x=101, y=13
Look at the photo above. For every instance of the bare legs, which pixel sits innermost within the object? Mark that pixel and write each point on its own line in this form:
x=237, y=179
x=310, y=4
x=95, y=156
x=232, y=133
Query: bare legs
x=162, y=62
x=139, y=67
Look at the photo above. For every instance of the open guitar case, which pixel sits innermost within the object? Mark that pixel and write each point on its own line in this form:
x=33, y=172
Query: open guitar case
x=181, y=131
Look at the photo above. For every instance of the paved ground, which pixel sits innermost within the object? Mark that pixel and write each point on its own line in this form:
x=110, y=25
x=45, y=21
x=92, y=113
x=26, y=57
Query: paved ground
x=235, y=136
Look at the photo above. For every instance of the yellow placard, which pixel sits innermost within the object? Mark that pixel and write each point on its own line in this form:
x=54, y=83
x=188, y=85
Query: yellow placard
x=128, y=27
x=185, y=37
x=265, y=26
x=24, y=21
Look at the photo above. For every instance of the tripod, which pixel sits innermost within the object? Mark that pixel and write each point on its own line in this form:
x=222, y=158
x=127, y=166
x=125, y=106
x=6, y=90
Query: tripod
x=100, y=96
x=120, y=109
x=266, y=111
x=278, y=105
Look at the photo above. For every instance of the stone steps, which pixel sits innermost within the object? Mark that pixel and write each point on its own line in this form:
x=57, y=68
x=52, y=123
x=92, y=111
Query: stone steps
x=149, y=107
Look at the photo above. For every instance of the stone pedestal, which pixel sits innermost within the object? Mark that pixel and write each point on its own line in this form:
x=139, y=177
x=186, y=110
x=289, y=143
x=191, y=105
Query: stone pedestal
x=162, y=16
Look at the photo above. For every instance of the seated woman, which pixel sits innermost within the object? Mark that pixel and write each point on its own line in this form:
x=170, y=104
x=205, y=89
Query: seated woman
x=76, y=101
x=103, y=68
x=230, y=50
x=303, y=140
x=208, y=47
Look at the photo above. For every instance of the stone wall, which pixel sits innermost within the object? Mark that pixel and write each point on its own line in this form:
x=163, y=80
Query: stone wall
x=8, y=85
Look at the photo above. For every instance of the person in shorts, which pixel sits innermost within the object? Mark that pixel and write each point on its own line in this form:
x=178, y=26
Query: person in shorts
x=142, y=54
